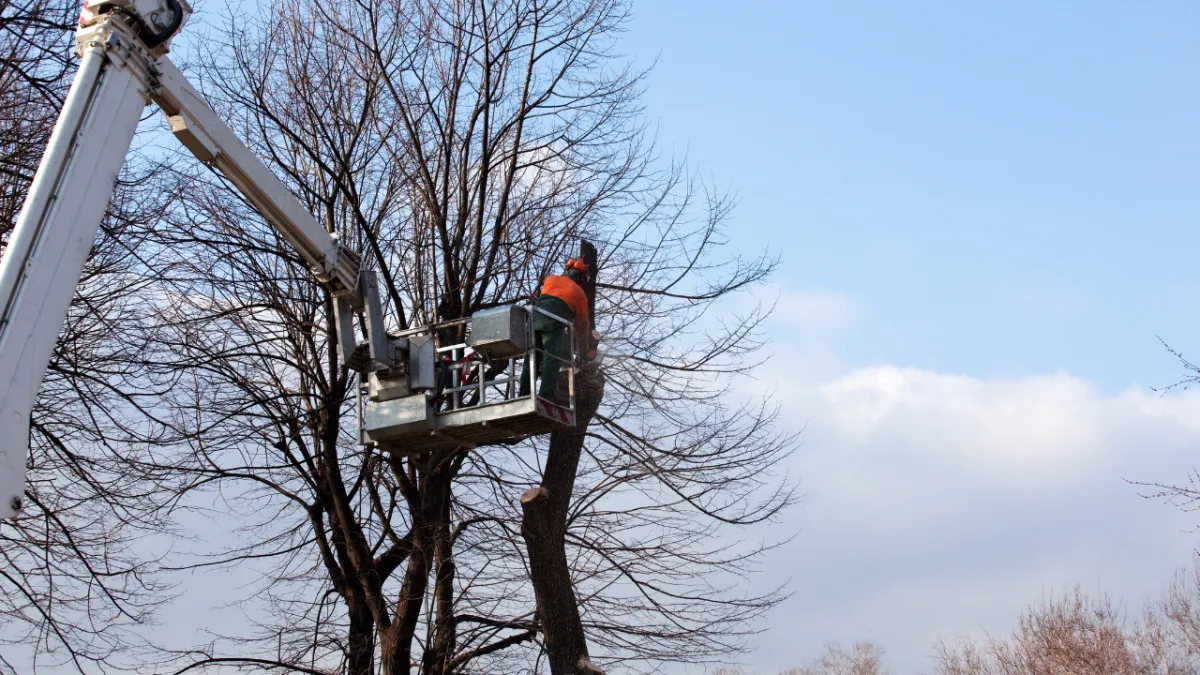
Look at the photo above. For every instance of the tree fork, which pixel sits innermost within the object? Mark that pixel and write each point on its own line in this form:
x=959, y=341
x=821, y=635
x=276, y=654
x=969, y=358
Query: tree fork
x=544, y=517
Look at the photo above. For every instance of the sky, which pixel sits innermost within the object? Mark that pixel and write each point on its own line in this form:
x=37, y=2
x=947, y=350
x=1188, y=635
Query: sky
x=986, y=214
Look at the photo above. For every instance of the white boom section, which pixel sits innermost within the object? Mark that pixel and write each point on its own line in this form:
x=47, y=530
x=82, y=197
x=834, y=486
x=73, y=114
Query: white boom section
x=123, y=67
x=199, y=128
x=53, y=235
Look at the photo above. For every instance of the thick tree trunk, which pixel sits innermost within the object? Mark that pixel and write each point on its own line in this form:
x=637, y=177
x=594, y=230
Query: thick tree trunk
x=440, y=651
x=360, y=648
x=544, y=527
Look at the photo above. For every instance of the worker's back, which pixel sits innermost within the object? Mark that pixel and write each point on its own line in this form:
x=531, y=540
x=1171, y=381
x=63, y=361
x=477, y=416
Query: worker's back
x=566, y=289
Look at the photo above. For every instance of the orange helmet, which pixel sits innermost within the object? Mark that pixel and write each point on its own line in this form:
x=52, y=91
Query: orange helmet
x=577, y=264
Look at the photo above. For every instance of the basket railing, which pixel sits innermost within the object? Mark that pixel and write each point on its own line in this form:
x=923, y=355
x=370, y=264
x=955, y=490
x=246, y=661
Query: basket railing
x=471, y=381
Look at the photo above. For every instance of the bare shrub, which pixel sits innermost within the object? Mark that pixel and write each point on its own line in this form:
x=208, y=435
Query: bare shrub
x=1081, y=635
x=865, y=658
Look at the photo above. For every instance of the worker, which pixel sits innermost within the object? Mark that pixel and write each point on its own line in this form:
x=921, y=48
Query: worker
x=562, y=296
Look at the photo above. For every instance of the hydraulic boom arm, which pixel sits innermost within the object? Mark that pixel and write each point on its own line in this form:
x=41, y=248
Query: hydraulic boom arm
x=123, y=67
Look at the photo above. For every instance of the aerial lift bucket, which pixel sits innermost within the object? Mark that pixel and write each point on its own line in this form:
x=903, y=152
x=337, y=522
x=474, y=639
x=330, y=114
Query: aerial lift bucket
x=464, y=386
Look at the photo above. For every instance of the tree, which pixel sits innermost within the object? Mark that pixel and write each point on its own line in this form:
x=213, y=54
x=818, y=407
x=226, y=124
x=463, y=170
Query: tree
x=1084, y=635
x=465, y=150
x=865, y=659
x=35, y=71
x=72, y=585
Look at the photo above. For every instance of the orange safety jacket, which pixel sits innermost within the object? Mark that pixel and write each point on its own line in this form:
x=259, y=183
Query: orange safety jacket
x=569, y=292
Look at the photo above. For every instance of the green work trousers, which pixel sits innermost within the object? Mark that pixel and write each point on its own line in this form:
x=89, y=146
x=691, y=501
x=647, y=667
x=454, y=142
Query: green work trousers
x=550, y=337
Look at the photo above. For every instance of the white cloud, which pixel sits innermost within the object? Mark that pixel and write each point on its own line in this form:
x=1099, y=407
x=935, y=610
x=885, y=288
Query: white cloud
x=1038, y=422
x=940, y=503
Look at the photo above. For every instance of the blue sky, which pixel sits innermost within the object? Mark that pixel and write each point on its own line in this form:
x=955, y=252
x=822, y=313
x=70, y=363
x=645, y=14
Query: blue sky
x=1004, y=188
x=987, y=213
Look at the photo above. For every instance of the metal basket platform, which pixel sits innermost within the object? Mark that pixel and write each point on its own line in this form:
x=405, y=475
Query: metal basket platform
x=477, y=402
